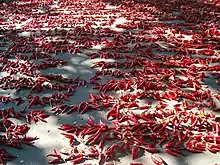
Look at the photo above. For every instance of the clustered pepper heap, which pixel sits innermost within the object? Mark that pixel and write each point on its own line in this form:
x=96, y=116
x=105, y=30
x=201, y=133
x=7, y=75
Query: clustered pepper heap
x=156, y=78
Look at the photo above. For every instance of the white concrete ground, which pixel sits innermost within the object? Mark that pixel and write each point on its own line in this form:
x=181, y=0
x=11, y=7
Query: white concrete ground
x=49, y=135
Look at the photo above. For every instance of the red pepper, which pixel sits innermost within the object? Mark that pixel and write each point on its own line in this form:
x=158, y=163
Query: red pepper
x=134, y=152
x=157, y=160
x=136, y=163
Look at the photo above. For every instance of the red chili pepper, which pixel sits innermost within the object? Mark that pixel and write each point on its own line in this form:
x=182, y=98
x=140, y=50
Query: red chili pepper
x=70, y=137
x=153, y=150
x=85, y=109
x=171, y=152
x=134, y=152
x=55, y=161
x=136, y=163
x=157, y=160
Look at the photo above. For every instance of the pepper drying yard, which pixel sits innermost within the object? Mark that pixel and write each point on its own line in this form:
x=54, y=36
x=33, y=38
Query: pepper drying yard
x=110, y=82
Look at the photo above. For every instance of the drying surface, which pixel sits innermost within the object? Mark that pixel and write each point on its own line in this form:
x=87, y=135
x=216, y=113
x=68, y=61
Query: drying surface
x=146, y=72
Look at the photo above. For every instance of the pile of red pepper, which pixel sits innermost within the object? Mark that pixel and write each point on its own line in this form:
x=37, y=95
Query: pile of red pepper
x=158, y=98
